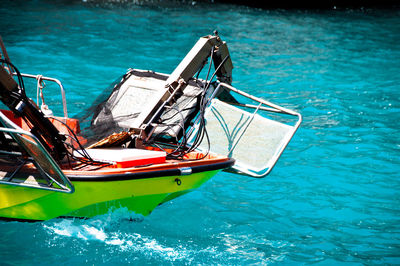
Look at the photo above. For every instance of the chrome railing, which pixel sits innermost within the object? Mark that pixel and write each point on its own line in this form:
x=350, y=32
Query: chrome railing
x=261, y=105
x=48, y=169
x=62, y=90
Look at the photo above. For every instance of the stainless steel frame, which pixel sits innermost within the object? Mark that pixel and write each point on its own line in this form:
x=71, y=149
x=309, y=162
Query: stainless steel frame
x=62, y=90
x=264, y=106
x=21, y=136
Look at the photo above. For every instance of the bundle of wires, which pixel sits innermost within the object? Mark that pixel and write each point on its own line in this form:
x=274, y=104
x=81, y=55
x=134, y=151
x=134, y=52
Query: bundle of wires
x=21, y=84
x=183, y=147
x=84, y=159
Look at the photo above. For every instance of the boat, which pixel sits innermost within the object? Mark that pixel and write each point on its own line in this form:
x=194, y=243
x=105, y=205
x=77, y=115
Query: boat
x=151, y=137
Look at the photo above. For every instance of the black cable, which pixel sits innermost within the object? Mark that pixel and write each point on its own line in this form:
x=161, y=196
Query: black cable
x=209, y=66
x=20, y=80
x=216, y=70
x=202, y=129
x=179, y=150
x=82, y=152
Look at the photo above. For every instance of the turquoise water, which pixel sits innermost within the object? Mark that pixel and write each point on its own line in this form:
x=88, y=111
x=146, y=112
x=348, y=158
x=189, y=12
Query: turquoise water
x=333, y=197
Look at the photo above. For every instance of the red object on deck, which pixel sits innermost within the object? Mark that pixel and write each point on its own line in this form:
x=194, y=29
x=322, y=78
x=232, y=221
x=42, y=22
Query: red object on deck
x=125, y=158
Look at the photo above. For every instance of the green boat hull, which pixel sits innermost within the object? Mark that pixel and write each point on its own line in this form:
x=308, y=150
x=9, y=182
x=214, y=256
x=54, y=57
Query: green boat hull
x=93, y=198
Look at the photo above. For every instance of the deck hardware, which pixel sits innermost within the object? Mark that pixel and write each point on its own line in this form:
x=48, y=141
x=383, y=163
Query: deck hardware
x=178, y=181
x=186, y=170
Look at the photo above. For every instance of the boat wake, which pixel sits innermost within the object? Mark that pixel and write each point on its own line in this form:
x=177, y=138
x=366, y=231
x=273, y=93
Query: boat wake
x=132, y=238
x=106, y=230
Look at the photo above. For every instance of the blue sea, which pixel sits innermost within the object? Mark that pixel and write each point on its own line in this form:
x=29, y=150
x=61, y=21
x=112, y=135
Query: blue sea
x=333, y=198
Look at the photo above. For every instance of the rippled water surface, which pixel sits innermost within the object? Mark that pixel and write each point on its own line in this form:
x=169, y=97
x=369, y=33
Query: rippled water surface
x=333, y=196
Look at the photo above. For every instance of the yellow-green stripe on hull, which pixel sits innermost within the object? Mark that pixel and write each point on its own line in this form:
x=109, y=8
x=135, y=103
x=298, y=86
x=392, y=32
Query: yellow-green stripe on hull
x=93, y=198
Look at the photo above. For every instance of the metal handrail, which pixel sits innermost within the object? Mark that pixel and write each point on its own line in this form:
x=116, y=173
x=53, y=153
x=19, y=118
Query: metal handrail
x=13, y=130
x=254, y=98
x=274, y=108
x=68, y=188
x=264, y=106
x=64, y=101
x=278, y=109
